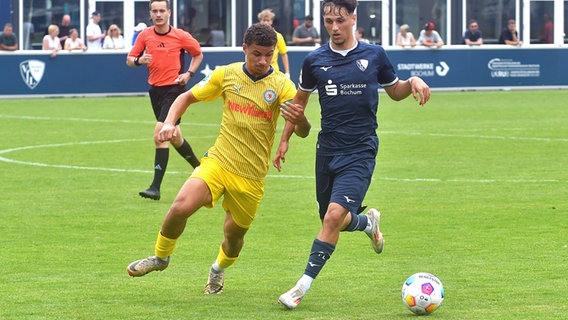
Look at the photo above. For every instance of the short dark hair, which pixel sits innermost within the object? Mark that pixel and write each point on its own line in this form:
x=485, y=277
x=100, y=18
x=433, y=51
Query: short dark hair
x=260, y=34
x=166, y=1
x=348, y=5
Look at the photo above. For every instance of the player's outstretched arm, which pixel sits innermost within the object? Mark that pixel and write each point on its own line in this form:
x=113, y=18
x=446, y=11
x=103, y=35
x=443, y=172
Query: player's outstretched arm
x=296, y=122
x=176, y=110
x=414, y=85
x=280, y=154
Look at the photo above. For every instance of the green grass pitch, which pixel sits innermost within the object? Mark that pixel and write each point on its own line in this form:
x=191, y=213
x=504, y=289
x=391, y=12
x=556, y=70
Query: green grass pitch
x=473, y=188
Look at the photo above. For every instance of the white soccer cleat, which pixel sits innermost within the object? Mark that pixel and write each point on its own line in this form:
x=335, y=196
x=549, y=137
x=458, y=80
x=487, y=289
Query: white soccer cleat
x=215, y=282
x=377, y=240
x=292, y=298
x=141, y=267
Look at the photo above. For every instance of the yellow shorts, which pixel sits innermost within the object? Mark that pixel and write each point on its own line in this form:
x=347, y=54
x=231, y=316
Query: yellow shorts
x=241, y=195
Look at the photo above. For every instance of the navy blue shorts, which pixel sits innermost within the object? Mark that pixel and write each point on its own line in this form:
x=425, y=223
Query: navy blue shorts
x=344, y=179
x=162, y=99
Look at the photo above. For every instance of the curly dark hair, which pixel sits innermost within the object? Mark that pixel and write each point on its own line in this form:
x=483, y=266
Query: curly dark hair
x=260, y=34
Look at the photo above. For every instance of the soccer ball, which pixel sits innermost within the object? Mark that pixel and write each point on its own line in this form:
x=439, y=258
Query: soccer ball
x=422, y=293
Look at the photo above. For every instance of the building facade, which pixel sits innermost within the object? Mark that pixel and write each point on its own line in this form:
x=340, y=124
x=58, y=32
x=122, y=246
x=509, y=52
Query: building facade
x=221, y=23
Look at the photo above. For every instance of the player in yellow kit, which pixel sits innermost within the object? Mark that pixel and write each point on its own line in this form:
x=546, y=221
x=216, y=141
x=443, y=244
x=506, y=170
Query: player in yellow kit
x=236, y=165
x=266, y=16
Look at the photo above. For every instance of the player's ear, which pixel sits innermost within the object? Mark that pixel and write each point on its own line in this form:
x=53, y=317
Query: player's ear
x=245, y=48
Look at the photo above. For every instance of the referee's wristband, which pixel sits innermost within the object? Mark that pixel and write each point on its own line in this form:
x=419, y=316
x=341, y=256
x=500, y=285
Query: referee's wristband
x=136, y=62
x=191, y=73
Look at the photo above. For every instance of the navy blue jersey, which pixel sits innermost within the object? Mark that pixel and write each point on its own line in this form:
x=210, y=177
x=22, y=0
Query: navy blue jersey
x=348, y=95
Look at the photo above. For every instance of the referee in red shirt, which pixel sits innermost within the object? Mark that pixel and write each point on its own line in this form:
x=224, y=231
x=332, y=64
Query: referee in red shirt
x=162, y=48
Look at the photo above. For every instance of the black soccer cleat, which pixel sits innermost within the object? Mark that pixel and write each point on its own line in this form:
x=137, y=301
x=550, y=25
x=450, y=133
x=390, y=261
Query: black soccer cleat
x=150, y=193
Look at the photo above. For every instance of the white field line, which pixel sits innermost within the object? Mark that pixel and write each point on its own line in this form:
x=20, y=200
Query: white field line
x=414, y=133
x=279, y=176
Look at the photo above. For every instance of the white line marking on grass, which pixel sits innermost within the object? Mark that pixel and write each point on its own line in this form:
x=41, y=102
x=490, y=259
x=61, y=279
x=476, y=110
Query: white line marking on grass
x=101, y=120
x=475, y=180
x=412, y=133
x=436, y=180
x=55, y=145
x=473, y=136
x=279, y=176
x=67, y=144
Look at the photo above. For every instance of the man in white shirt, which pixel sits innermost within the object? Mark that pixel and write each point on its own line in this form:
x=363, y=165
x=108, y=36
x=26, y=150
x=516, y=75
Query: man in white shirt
x=94, y=33
x=430, y=37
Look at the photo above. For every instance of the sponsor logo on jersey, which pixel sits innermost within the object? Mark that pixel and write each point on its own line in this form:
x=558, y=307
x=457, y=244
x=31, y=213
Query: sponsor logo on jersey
x=331, y=88
x=250, y=110
x=350, y=89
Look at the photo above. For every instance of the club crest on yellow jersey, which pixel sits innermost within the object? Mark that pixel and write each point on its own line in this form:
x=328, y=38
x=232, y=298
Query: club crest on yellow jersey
x=269, y=95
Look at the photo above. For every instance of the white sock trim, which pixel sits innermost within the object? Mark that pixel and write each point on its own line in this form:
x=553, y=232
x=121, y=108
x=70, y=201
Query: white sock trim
x=369, y=225
x=305, y=282
x=216, y=267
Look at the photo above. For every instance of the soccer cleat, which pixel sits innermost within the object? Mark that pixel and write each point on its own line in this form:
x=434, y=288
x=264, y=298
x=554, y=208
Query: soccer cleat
x=215, y=282
x=140, y=267
x=292, y=298
x=377, y=240
x=150, y=193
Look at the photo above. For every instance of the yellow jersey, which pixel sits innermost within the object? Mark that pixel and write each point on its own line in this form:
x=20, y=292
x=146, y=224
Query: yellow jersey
x=281, y=48
x=251, y=108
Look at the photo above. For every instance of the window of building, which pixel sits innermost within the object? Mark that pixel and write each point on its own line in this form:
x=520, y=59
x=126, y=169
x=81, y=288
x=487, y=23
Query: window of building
x=208, y=21
x=417, y=13
x=211, y=21
x=38, y=16
x=289, y=14
x=565, y=21
x=542, y=26
x=492, y=17
x=369, y=17
x=111, y=13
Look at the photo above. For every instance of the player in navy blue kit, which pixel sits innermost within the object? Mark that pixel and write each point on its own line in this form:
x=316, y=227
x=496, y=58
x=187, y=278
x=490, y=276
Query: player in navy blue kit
x=347, y=75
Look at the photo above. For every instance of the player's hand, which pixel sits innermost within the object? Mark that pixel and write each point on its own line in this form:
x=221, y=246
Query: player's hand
x=420, y=90
x=292, y=112
x=146, y=58
x=183, y=78
x=166, y=133
x=280, y=155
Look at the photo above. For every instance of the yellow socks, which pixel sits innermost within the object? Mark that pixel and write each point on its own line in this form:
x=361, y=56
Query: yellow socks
x=224, y=261
x=164, y=246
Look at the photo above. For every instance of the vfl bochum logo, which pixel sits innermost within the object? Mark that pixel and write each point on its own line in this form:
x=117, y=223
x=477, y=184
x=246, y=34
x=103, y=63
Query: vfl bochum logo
x=32, y=72
x=362, y=64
